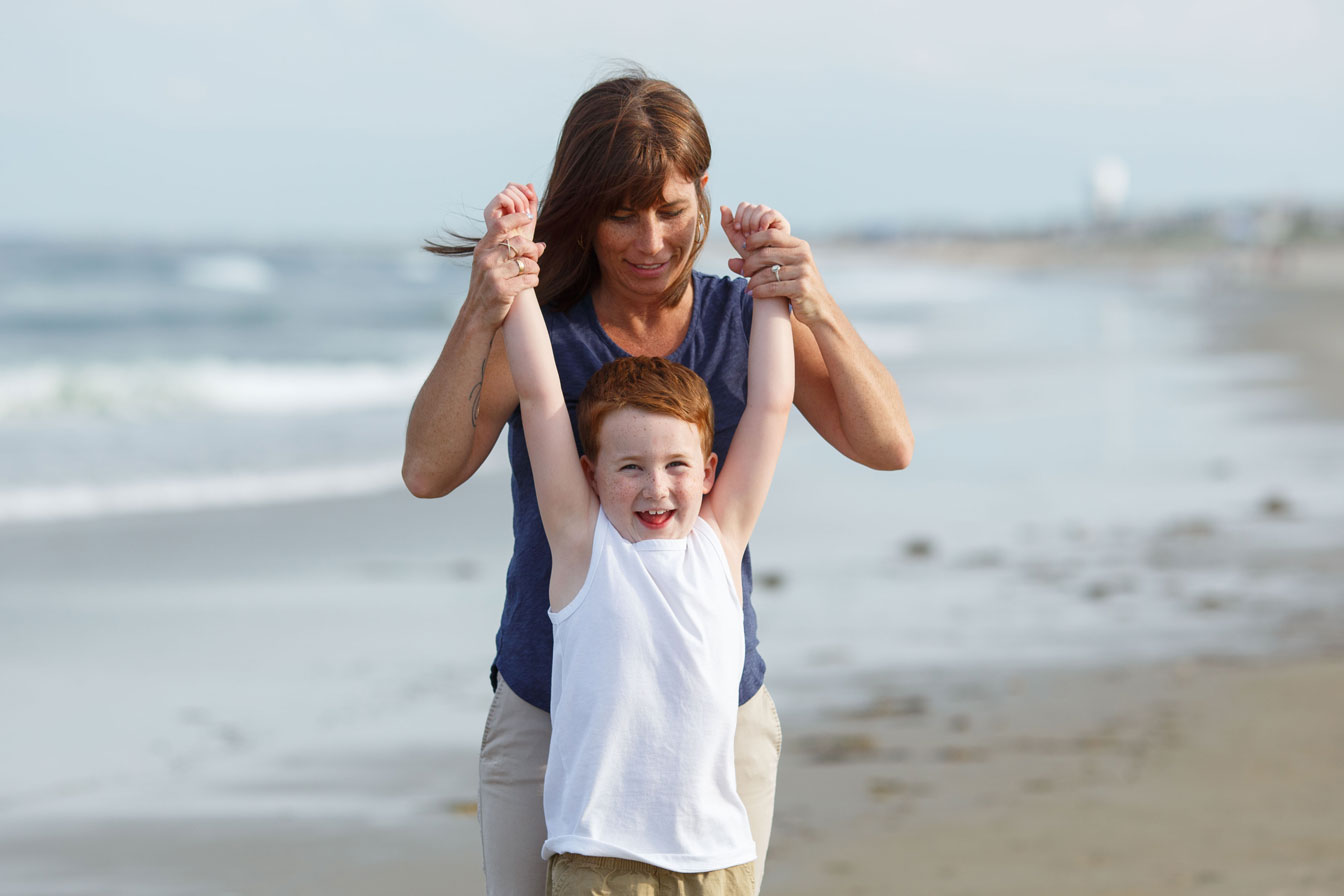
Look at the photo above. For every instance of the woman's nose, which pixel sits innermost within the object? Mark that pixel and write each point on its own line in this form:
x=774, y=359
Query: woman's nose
x=650, y=237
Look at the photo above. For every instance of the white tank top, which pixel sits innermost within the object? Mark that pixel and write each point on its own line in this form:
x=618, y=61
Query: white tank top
x=644, y=684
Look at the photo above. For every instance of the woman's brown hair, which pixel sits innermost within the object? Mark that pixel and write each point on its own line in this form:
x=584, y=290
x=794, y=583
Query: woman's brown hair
x=622, y=140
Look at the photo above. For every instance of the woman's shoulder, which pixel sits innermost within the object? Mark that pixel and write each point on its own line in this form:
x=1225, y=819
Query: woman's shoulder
x=727, y=295
x=713, y=285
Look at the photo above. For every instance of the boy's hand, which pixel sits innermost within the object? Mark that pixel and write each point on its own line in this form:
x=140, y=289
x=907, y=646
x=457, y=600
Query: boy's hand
x=750, y=218
x=513, y=211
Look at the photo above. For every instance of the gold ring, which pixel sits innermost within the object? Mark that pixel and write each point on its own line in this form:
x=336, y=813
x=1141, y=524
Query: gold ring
x=521, y=267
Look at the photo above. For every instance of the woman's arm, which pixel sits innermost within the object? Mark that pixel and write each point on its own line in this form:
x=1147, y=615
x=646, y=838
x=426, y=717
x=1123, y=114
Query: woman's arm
x=468, y=397
x=842, y=388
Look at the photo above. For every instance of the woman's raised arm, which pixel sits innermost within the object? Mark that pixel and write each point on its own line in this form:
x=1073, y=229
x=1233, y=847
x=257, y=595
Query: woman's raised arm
x=840, y=386
x=469, y=395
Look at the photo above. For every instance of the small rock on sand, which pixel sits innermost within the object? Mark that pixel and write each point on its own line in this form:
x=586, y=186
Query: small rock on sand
x=962, y=754
x=460, y=807
x=919, y=548
x=1276, y=506
x=839, y=747
x=892, y=707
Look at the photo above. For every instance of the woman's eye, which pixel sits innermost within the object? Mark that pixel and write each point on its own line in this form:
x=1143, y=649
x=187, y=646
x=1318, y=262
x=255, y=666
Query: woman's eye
x=669, y=215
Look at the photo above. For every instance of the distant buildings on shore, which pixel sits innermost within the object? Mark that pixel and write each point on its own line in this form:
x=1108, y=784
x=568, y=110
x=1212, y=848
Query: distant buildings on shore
x=1267, y=223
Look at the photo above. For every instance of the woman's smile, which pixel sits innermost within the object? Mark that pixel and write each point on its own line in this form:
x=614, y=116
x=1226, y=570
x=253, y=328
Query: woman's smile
x=649, y=270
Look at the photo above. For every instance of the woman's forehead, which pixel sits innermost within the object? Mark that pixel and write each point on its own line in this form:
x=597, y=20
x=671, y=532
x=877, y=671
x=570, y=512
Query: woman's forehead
x=676, y=187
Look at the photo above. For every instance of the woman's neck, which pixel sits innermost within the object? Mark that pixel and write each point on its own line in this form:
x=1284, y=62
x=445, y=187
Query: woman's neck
x=644, y=326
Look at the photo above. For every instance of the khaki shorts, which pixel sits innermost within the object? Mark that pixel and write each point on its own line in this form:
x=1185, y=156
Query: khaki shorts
x=574, y=875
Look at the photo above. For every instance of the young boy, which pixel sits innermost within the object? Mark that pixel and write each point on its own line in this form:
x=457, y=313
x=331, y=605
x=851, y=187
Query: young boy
x=646, y=606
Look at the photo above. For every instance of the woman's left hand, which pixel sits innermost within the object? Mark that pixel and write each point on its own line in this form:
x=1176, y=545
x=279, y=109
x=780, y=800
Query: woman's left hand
x=776, y=263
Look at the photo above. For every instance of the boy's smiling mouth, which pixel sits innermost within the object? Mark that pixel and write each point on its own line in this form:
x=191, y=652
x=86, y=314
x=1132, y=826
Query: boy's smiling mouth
x=654, y=519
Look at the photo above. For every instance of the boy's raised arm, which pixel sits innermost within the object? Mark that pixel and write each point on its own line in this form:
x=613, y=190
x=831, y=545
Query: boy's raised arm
x=563, y=496
x=739, y=493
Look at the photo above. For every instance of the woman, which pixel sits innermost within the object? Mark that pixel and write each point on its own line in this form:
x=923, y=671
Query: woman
x=623, y=219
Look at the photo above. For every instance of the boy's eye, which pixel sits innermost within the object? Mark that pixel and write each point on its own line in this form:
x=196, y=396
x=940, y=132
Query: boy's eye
x=629, y=467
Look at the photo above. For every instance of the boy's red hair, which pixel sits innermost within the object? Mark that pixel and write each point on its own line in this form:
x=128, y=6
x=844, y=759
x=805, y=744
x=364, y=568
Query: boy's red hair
x=656, y=385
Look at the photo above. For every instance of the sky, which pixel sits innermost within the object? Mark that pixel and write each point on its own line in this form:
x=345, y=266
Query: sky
x=389, y=120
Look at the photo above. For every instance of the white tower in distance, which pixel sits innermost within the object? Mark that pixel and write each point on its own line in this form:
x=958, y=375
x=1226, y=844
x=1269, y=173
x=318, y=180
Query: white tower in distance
x=1109, y=189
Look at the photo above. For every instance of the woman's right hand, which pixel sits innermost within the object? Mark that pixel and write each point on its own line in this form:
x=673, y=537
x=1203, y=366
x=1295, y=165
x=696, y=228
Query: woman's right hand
x=505, y=261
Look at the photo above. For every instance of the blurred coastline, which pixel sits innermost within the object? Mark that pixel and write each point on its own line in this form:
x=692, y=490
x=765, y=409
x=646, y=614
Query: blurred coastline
x=1092, y=641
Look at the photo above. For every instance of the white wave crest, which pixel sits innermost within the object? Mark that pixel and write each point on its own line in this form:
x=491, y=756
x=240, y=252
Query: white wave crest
x=228, y=272
x=159, y=388
x=85, y=500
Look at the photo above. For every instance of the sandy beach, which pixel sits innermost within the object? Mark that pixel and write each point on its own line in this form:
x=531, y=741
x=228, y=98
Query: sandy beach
x=1201, y=777
x=1208, y=758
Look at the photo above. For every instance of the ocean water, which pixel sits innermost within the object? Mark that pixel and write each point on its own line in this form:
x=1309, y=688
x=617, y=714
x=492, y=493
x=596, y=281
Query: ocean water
x=140, y=378
x=151, y=378
x=1077, y=441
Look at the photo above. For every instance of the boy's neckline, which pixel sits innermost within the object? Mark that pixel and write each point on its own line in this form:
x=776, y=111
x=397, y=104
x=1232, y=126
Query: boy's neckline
x=650, y=544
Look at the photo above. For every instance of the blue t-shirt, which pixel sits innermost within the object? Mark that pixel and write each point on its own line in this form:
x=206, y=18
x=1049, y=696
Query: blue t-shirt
x=716, y=348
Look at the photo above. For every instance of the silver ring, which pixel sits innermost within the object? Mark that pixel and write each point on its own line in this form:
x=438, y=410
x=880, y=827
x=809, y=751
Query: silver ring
x=521, y=267
x=774, y=268
x=513, y=253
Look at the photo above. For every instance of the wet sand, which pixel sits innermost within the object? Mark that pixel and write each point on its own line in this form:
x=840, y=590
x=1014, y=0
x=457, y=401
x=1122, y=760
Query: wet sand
x=1196, y=777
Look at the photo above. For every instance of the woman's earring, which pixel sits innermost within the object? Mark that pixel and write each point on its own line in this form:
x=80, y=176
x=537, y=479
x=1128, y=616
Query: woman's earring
x=699, y=227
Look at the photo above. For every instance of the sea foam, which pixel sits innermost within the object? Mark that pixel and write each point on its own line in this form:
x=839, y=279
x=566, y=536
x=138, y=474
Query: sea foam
x=89, y=500
x=141, y=389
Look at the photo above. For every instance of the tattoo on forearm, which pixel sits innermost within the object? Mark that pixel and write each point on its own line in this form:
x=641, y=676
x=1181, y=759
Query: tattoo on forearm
x=475, y=395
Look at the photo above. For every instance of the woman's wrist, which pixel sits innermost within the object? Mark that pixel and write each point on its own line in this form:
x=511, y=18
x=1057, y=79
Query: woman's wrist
x=819, y=314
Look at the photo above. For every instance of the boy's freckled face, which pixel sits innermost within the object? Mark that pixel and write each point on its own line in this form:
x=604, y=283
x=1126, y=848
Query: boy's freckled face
x=650, y=474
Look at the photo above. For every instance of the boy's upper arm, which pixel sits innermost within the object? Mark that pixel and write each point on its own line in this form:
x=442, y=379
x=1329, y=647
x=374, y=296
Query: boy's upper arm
x=564, y=499
x=739, y=493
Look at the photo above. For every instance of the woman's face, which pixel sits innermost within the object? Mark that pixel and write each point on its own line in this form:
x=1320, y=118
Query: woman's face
x=642, y=251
